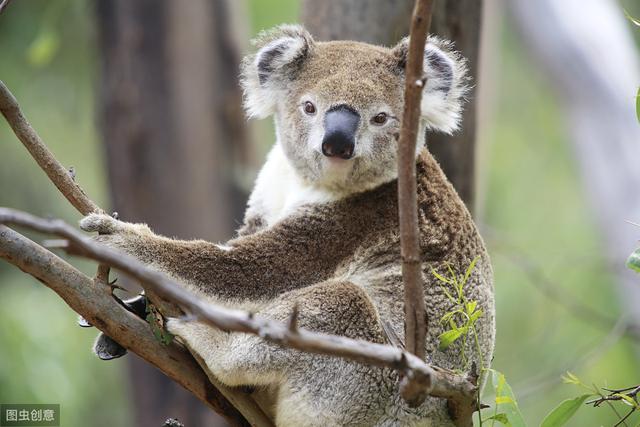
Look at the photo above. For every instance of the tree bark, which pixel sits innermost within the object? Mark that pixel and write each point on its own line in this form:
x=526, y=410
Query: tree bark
x=171, y=120
x=385, y=22
x=460, y=22
x=382, y=22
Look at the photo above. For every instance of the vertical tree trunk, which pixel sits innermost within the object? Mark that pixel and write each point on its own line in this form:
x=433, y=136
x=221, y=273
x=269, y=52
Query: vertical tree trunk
x=384, y=22
x=171, y=121
x=599, y=108
x=460, y=22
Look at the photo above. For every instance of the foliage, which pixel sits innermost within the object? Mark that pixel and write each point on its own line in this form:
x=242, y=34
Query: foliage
x=505, y=409
x=465, y=313
x=633, y=262
x=156, y=321
x=564, y=411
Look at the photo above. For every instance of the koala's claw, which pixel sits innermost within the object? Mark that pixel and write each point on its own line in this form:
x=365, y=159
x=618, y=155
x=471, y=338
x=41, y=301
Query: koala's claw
x=101, y=223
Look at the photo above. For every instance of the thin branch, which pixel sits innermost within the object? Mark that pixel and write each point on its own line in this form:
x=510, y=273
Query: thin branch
x=58, y=174
x=617, y=394
x=98, y=306
x=415, y=313
x=62, y=178
x=418, y=377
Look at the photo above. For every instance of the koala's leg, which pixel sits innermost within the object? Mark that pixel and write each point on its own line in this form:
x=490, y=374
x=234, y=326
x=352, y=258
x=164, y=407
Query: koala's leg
x=295, y=253
x=326, y=390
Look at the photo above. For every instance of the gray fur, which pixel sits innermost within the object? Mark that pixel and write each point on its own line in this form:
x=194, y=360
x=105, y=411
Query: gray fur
x=333, y=245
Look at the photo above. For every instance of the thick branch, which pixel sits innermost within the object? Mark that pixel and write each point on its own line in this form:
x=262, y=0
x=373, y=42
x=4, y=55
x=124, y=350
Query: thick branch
x=97, y=305
x=419, y=378
x=415, y=314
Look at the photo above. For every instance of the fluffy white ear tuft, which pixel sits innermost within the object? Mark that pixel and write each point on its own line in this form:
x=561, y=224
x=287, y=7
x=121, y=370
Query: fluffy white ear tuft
x=446, y=88
x=264, y=75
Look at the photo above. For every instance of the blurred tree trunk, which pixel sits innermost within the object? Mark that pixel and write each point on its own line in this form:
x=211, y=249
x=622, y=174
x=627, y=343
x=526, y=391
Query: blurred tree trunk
x=595, y=76
x=460, y=21
x=385, y=22
x=172, y=125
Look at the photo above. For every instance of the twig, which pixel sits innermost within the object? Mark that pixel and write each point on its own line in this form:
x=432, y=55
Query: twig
x=415, y=313
x=419, y=378
x=62, y=178
x=616, y=394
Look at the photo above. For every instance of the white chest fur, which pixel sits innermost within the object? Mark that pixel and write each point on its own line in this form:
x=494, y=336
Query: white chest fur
x=279, y=191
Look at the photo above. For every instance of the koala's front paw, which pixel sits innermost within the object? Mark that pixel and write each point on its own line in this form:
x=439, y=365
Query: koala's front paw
x=103, y=224
x=117, y=234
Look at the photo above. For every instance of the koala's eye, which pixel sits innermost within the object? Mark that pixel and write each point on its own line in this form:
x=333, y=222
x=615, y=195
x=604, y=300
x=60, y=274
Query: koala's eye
x=379, y=119
x=309, y=108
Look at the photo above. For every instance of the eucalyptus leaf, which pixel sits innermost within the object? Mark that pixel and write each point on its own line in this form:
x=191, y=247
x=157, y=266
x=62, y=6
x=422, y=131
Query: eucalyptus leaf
x=633, y=262
x=449, y=337
x=505, y=399
x=626, y=399
x=635, y=21
x=501, y=418
x=564, y=411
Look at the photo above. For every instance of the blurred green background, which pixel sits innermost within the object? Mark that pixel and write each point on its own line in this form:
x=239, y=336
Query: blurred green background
x=534, y=206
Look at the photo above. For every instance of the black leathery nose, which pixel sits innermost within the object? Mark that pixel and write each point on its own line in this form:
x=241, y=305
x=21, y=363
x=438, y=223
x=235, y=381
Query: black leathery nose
x=340, y=127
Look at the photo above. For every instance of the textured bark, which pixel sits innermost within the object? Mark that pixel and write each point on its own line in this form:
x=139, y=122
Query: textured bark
x=385, y=22
x=381, y=22
x=171, y=120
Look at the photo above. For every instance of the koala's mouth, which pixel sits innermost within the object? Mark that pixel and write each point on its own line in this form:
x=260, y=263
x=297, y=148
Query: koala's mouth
x=336, y=170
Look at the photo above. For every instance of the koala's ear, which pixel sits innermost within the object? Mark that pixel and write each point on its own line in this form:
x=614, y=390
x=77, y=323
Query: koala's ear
x=281, y=53
x=444, y=93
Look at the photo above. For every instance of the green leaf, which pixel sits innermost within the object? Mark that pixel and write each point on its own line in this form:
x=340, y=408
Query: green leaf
x=632, y=19
x=633, y=262
x=627, y=399
x=441, y=277
x=571, y=378
x=475, y=316
x=501, y=418
x=505, y=399
x=471, y=306
x=447, y=338
x=469, y=270
x=564, y=411
x=44, y=48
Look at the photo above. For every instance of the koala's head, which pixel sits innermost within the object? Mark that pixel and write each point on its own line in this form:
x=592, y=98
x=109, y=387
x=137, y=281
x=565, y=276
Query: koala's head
x=337, y=105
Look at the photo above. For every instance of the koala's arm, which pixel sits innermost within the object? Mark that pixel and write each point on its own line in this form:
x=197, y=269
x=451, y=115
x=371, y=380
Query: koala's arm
x=257, y=266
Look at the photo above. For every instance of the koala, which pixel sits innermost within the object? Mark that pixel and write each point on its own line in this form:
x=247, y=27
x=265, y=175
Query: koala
x=321, y=232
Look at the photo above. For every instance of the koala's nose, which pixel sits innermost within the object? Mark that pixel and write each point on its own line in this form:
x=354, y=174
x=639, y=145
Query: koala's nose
x=340, y=127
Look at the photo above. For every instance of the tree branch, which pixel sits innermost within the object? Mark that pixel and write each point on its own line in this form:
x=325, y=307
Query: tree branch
x=415, y=313
x=60, y=176
x=98, y=306
x=418, y=377
x=63, y=179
